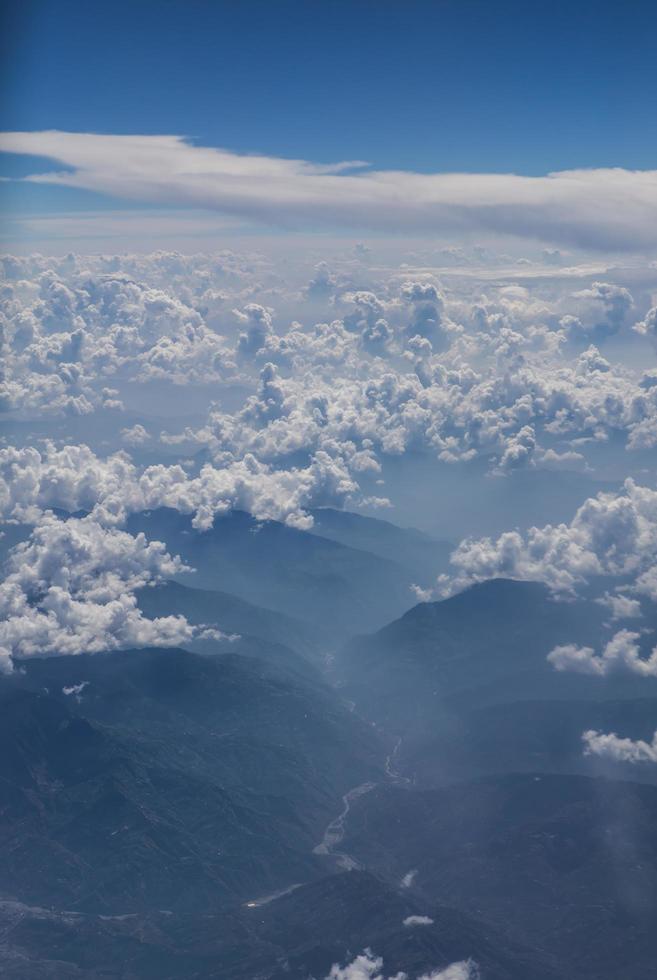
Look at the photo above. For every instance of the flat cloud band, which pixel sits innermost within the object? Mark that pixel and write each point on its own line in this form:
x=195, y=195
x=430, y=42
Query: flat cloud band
x=605, y=209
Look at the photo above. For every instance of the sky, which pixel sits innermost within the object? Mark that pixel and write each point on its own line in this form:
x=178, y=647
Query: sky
x=398, y=258
x=419, y=87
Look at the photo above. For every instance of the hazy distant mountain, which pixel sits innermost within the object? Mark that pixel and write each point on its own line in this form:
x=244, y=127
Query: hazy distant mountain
x=338, y=589
x=423, y=555
x=485, y=645
x=229, y=613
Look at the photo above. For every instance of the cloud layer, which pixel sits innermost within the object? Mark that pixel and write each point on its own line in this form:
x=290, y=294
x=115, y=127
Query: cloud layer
x=596, y=209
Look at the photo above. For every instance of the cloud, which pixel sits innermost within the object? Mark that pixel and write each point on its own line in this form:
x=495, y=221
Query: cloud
x=611, y=746
x=407, y=364
x=621, y=606
x=597, y=209
x=74, y=478
x=70, y=589
x=622, y=653
x=137, y=435
x=418, y=920
x=463, y=970
x=368, y=967
x=648, y=326
x=611, y=534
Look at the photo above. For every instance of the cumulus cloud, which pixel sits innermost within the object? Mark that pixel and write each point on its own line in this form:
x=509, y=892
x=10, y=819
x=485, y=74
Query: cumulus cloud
x=137, y=435
x=622, y=653
x=611, y=746
x=648, y=326
x=610, y=534
x=418, y=920
x=70, y=589
x=405, y=364
x=74, y=478
x=610, y=208
x=366, y=966
x=620, y=606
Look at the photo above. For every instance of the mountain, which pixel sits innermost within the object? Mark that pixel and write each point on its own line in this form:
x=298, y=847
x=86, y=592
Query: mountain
x=336, y=589
x=298, y=936
x=486, y=645
x=228, y=613
x=560, y=863
x=424, y=556
x=525, y=736
x=151, y=779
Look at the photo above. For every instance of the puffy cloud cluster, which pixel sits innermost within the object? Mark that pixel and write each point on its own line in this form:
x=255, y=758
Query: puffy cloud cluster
x=74, y=478
x=366, y=966
x=402, y=361
x=70, y=589
x=611, y=746
x=611, y=534
x=68, y=331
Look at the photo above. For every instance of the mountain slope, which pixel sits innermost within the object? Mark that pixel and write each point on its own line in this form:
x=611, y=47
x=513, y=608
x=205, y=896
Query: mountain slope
x=424, y=556
x=168, y=780
x=339, y=589
x=300, y=935
x=228, y=613
x=565, y=863
x=488, y=644
x=526, y=736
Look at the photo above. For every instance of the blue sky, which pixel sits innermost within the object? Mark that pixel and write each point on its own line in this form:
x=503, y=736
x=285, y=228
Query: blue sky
x=449, y=85
x=443, y=85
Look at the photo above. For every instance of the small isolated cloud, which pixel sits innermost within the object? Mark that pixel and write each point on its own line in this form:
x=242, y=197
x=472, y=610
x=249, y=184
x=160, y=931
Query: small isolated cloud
x=611, y=746
x=620, y=606
x=418, y=920
x=135, y=436
x=369, y=967
x=75, y=689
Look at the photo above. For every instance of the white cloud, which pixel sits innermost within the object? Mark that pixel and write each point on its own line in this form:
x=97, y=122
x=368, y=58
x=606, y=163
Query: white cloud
x=409, y=878
x=611, y=208
x=74, y=478
x=70, y=589
x=621, y=606
x=610, y=534
x=622, y=653
x=418, y=920
x=135, y=436
x=611, y=746
x=368, y=967
x=463, y=970
x=648, y=326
